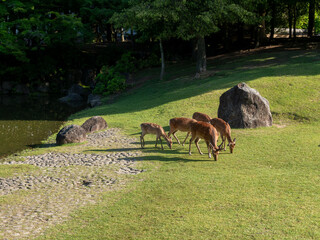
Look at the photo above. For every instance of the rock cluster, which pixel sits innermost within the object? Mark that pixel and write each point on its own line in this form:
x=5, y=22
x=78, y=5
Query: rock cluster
x=71, y=134
x=94, y=124
x=243, y=107
x=77, y=134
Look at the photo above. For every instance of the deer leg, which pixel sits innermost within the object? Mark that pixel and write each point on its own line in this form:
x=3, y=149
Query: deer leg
x=209, y=148
x=156, y=141
x=224, y=139
x=174, y=134
x=161, y=143
x=223, y=142
x=142, y=140
x=192, y=138
x=186, y=138
x=196, y=142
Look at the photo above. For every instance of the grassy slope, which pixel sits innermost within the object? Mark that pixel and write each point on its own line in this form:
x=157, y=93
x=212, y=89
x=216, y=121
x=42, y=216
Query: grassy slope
x=269, y=188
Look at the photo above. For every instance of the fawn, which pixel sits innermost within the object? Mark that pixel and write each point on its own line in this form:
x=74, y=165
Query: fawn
x=152, y=128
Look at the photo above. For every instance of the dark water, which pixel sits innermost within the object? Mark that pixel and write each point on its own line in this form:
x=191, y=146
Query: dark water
x=26, y=121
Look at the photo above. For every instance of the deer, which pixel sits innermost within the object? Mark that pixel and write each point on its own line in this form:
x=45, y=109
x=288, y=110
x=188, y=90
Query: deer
x=201, y=117
x=221, y=126
x=204, y=130
x=180, y=124
x=152, y=128
x=225, y=132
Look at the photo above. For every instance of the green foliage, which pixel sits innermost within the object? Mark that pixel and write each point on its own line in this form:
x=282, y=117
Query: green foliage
x=126, y=64
x=112, y=79
x=109, y=81
x=302, y=22
x=152, y=60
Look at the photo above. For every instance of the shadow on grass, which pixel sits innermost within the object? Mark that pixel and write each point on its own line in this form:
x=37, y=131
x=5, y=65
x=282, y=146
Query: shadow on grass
x=170, y=159
x=45, y=145
x=244, y=69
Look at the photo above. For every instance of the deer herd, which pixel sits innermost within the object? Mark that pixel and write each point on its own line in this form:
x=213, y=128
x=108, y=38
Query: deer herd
x=201, y=126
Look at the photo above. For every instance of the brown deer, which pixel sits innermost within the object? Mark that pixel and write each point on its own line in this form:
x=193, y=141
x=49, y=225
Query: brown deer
x=180, y=124
x=152, y=128
x=222, y=127
x=225, y=132
x=207, y=132
x=201, y=117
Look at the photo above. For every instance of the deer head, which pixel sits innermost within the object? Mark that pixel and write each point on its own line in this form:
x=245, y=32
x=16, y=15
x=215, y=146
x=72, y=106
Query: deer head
x=231, y=145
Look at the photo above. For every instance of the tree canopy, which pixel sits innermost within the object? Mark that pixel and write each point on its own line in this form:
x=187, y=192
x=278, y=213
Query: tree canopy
x=33, y=32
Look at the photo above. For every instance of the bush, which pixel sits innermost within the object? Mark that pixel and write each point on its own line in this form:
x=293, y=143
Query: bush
x=112, y=79
x=109, y=81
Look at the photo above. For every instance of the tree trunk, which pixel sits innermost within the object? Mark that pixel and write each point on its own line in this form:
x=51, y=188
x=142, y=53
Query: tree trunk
x=290, y=21
x=162, y=60
x=122, y=35
x=109, y=32
x=273, y=19
x=226, y=41
x=311, y=17
x=294, y=20
x=201, y=57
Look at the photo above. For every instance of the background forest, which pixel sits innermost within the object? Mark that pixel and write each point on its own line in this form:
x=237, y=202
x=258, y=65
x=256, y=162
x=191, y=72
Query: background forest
x=48, y=42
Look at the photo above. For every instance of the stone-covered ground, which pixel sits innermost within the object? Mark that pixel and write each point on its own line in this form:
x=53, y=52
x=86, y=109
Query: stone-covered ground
x=65, y=182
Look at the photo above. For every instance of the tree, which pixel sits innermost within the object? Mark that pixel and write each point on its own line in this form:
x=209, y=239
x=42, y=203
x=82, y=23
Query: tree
x=30, y=28
x=311, y=17
x=153, y=19
x=97, y=13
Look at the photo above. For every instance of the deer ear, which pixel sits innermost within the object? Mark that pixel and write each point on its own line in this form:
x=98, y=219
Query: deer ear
x=234, y=140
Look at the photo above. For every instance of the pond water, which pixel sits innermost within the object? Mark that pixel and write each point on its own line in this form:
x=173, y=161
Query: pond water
x=26, y=121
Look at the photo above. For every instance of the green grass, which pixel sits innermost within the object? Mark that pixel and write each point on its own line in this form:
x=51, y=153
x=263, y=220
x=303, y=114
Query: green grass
x=268, y=189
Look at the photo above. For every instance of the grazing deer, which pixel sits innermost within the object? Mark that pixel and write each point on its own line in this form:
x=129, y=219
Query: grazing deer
x=180, y=124
x=207, y=132
x=201, y=117
x=222, y=127
x=225, y=132
x=152, y=128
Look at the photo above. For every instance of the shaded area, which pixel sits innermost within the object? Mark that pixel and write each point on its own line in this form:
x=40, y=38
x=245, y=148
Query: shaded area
x=220, y=75
x=26, y=121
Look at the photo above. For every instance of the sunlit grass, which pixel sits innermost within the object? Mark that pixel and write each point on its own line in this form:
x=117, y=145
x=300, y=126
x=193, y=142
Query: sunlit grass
x=268, y=189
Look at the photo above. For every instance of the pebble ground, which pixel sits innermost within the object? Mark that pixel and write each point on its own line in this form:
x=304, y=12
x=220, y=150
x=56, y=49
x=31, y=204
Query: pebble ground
x=64, y=182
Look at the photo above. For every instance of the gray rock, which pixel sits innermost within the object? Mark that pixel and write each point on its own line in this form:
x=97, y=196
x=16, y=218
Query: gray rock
x=94, y=100
x=71, y=97
x=243, y=107
x=71, y=134
x=94, y=124
x=77, y=89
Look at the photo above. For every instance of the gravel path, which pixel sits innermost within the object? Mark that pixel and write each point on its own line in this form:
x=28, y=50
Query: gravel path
x=64, y=182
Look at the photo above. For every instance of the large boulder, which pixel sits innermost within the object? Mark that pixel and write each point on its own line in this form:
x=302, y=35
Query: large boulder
x=71, y=134
x=243, y=107
x=94, y=124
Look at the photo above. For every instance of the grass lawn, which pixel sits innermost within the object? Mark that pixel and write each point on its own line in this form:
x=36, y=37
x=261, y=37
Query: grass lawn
x=268, y=189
